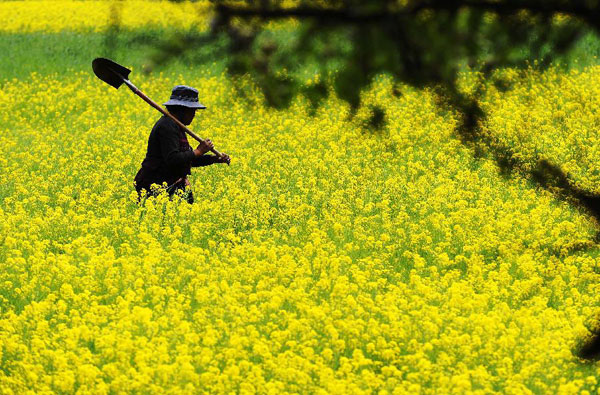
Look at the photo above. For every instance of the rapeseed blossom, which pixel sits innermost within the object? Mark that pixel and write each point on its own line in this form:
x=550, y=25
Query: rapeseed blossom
x=328, y=258
x=325, y=258
x=53, y=16
x=69, y=15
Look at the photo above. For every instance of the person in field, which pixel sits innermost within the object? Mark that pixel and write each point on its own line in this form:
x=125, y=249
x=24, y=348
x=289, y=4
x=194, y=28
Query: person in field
x=169, y=157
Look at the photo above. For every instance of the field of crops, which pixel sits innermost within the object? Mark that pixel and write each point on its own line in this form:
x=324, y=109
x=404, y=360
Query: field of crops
x=328, y=258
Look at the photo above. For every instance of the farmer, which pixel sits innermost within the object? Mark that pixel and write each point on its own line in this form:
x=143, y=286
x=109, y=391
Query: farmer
x=169, y=157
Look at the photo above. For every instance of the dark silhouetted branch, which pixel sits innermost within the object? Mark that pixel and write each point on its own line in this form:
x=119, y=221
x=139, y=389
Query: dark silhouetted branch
x=581, y=10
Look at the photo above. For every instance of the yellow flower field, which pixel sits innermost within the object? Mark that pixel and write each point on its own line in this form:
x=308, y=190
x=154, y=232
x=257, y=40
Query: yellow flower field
x=61, y=15
x=97, y=15
x=328, y=258
x=325, y=259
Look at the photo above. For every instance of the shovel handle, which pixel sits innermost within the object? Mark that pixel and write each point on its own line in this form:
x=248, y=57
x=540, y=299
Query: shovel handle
x=138, y=92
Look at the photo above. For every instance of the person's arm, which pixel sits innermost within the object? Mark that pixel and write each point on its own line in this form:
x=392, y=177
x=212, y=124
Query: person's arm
x=205, y=160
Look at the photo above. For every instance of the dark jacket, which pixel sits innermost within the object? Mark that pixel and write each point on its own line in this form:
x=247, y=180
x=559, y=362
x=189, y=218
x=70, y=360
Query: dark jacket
x=169, y=156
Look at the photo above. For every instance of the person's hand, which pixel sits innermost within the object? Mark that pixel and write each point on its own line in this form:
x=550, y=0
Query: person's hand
x=224, y=158
x=204, y=147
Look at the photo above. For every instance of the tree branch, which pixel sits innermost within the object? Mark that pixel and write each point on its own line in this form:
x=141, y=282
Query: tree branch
x=589, y=14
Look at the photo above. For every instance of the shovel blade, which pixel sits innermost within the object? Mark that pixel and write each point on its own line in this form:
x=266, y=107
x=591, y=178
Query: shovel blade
x=110, y=72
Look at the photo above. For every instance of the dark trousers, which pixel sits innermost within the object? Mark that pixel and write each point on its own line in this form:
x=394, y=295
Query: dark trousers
x=180, y=188
x=177, y=188
x=186, y=195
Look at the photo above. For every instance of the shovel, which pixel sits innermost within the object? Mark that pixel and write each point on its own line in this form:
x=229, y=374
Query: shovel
x=115, y=75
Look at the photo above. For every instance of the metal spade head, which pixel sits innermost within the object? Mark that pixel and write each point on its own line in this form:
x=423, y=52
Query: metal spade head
x=110, y=72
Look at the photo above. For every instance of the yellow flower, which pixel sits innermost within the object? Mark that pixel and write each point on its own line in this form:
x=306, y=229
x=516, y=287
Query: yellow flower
x=324, y=259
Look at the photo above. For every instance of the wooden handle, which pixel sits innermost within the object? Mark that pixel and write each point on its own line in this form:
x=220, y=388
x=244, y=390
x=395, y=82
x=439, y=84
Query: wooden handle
x=138, y=92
